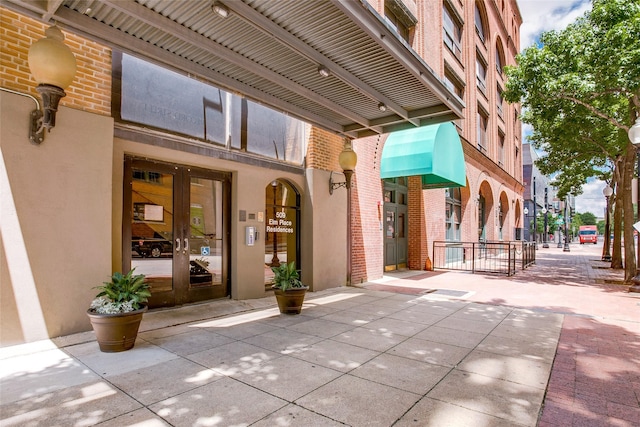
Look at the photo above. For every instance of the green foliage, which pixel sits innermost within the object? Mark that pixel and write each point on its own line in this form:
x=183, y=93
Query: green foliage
x=577, y=92
x=286, y=276
x=587, y=218
x=124, y=288
x=601, y=226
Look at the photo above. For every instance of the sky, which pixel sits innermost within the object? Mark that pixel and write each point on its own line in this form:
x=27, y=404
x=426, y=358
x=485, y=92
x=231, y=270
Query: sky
x=543, y=15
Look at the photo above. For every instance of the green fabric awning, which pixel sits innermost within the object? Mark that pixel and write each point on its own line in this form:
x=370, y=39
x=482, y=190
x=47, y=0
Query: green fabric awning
x=432, y=152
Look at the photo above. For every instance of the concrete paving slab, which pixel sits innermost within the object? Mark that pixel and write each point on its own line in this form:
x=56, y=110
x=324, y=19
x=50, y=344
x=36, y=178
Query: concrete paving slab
x=142, y=355
x=520, y=370
x=534, y=350
x=191, y=341
x=435, y=413
x=86, y=404
x=283, y=342
x=336, y=355
x=430, y=352
x=396, y=327
x=140, y=417
x=234, y=357
x=226, y=402
x=30, y=375
x=369, y=339
x=354, y=401
x=471, y=325
x=446, y=336
x=294, y=415
x=321, y=328
x=287, y=377
x=517, y=403
x=159, y=382
x=417, y=314
x=400, y=372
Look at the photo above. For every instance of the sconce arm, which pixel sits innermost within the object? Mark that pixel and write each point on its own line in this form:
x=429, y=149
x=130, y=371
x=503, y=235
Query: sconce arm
x=36, y=129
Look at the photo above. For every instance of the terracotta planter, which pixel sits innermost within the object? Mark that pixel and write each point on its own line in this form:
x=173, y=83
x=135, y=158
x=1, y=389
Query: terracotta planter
x=116, y=332
x=290, y=301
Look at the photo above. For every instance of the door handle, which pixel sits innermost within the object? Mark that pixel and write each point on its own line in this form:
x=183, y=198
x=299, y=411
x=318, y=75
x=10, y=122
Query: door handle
x=177, y=245
x=186, y=245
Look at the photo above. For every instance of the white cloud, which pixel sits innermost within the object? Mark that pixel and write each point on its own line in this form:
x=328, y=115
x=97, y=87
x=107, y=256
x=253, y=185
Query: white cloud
x=592, y=200
x=544, y=15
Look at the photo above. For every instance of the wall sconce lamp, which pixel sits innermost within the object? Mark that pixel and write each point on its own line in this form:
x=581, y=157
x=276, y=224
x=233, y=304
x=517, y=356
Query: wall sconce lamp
x=347, y=160
x=53, y=66
x=221, y=10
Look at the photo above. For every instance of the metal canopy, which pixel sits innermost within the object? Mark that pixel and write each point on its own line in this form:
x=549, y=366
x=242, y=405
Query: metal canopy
x=270, y=51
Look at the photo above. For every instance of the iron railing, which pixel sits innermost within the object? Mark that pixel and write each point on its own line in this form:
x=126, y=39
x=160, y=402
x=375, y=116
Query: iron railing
x=485, y=257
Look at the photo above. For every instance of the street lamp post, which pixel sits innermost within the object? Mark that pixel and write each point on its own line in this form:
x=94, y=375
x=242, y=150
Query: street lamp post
x=347, y=160
x=558, y=226
x=535, y=216
x=634, y=137
x=606, y=252
x=545, y=211
x=566, y=227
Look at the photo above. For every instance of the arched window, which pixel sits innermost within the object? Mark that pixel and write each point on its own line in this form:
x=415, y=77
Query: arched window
x=479, y=22
x=282, y=220
x=499, y=57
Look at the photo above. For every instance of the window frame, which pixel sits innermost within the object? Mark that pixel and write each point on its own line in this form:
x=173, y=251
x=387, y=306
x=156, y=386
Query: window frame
x=481, y=81
x=482, y=125
x=479, y=23
x=449, y=34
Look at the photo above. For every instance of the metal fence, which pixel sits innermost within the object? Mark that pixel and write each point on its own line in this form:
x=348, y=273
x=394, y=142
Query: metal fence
x=485, y=257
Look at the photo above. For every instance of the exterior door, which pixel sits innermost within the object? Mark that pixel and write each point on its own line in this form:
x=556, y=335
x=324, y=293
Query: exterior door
x=176, y=231
x=395, y=224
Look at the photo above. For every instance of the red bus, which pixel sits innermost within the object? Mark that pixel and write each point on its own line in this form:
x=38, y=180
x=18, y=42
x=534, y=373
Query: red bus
x=588, y=234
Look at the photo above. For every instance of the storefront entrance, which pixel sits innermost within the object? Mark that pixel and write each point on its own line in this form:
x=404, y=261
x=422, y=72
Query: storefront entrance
x=395, y=223
x=176, y=230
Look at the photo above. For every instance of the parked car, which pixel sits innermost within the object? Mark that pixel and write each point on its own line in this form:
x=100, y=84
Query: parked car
x=151, y=247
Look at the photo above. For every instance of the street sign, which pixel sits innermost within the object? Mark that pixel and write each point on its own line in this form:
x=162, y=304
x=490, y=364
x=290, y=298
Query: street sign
x=637, y=226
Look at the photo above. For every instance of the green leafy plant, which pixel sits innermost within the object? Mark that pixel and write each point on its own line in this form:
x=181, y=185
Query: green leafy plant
x=124, y=293
x=286, y=277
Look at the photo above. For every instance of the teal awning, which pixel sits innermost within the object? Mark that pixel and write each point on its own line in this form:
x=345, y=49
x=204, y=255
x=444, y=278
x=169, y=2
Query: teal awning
x=432, y=152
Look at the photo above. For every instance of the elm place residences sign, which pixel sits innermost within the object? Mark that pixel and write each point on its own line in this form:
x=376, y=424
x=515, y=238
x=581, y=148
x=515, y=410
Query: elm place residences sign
x=280, y=224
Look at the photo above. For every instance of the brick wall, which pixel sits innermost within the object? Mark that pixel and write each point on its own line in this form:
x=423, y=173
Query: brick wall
x=366, y=214
x=91, y=87
x=323, y=150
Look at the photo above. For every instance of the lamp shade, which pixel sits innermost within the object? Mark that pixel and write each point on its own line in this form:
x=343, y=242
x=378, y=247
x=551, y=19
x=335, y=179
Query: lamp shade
x=348, y=158
x=51, y=61
x=634, y=133
x=607, y=191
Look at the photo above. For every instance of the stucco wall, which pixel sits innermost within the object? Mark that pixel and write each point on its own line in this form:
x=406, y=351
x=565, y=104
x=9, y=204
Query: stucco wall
x=55, y=221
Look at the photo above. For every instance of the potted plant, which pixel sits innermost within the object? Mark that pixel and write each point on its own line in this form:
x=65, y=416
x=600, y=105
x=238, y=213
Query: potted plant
x=117, y=310
x=288, y=288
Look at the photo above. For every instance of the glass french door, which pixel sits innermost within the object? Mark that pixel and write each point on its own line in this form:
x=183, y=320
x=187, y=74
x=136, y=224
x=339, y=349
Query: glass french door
x=176, y=230
x=395, y=224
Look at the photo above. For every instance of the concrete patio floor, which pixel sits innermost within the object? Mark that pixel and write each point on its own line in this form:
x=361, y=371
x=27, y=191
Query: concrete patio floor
x=362, y=356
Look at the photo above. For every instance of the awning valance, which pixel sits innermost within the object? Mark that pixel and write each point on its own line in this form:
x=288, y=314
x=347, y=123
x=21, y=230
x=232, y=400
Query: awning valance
x=432, y=152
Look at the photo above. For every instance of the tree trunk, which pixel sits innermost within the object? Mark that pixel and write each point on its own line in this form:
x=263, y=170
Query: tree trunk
x=629, y=243
x=616, y=245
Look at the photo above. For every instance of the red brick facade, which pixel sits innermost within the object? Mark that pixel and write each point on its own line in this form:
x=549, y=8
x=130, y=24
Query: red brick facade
x=494, y=173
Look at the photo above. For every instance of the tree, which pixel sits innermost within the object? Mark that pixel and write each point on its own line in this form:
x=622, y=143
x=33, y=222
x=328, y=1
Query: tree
x=581, y=92
x=588, y=218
